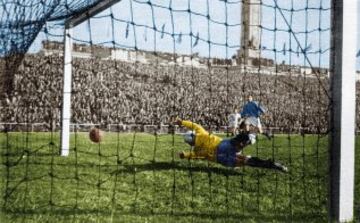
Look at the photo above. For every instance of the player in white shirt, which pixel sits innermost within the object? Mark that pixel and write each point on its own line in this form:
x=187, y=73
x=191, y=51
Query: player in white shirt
x=234, y=120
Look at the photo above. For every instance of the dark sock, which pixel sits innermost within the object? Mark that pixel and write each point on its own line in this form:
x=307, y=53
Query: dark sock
x=268, y=135
x=256, y=162
x=268, y=164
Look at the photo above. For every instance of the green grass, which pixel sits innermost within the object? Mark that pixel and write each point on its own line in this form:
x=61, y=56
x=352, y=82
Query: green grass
x=139, y=178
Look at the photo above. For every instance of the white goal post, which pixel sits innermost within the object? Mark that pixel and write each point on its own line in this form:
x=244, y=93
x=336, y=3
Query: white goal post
x=66, y=103
x=342, y=139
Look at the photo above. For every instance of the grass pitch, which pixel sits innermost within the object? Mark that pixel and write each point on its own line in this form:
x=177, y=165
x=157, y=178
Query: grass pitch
x=138, y=177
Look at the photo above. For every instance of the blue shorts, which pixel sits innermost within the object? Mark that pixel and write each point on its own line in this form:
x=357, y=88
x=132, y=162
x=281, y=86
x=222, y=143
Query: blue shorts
x=226, y=153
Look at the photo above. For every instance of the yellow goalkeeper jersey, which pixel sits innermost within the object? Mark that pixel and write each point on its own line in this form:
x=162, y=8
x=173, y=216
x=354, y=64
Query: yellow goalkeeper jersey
x=205, y=143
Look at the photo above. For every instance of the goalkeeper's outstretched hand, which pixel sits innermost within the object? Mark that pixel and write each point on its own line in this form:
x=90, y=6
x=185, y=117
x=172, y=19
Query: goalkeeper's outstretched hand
x=177, y=121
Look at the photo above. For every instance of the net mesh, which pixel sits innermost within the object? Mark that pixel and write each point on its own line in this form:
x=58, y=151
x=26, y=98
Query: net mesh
x=136, y=66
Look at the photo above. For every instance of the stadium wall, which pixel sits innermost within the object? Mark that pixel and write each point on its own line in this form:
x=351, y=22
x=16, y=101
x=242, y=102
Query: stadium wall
x=109, y=92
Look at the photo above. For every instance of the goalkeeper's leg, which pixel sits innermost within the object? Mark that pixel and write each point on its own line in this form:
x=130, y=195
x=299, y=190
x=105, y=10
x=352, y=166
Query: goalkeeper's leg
x=257, y=162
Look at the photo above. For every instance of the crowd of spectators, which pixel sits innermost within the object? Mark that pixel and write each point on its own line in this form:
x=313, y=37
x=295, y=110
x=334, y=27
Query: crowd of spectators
x=114, y=92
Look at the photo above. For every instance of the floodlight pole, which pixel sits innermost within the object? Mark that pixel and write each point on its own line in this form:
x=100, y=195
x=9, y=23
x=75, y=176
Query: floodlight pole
x=66, y=105
x=342, y=138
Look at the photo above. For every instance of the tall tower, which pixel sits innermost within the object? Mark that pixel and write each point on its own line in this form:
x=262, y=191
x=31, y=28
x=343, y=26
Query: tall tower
x=250, y=31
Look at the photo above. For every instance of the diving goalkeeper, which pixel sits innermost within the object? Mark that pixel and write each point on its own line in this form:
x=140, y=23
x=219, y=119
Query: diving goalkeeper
x=224, y=151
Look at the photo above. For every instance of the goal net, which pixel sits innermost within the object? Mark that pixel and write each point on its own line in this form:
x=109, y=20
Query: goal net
x=135, y=66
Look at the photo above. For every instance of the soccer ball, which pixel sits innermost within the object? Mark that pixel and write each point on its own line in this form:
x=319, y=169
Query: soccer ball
x=95, y=135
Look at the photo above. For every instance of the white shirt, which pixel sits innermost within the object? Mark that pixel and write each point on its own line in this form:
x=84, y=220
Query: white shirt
x=234, y=119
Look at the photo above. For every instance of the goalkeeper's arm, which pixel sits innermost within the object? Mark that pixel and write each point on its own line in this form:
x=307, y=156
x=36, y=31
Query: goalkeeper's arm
x=190, y=125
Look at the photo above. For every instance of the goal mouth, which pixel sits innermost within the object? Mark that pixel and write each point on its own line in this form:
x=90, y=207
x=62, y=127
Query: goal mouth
x=137, y=71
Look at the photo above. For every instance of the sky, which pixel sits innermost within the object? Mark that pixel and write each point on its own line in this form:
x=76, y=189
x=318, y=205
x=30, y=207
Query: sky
x=154, y=27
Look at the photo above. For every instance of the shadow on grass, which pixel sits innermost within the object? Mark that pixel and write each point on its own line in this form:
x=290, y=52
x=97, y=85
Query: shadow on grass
x=180, y=166
x=102, y=214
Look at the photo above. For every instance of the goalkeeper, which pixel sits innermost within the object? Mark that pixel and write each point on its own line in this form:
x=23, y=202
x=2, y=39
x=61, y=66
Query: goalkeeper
x=224, y=151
